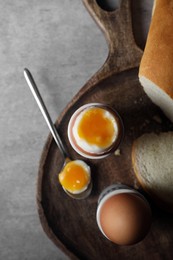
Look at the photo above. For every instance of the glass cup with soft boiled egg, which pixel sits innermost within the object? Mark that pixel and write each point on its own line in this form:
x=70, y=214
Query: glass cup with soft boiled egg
x=95, y=130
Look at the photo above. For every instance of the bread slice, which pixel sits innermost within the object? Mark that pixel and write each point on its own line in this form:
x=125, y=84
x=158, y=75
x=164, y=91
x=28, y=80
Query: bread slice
x=152, y=159
x=156, y=67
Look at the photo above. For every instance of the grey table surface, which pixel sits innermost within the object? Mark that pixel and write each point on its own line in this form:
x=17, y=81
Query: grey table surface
x=63, y=47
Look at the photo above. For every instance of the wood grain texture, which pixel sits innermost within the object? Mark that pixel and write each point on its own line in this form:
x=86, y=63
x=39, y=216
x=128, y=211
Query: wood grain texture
x=71, y=224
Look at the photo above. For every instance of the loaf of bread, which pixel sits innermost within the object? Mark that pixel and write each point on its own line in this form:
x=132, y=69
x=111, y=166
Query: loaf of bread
x=152, y=159
x=156, y=67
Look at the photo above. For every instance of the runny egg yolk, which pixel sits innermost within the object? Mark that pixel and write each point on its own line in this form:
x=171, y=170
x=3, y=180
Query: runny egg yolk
x=75, y=176
x=96, y=128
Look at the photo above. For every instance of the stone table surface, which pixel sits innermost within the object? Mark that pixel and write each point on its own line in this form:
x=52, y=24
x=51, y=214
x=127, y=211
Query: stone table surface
x=62, y=46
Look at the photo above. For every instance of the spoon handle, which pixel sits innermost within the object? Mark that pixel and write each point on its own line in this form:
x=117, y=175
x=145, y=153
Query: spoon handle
x=40, y=102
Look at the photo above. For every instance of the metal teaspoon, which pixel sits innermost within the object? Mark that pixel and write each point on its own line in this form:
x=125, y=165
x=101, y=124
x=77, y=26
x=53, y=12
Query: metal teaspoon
x=33, y=87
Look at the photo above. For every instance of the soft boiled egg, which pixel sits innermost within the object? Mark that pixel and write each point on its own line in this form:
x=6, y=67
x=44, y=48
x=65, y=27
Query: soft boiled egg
x=94, y=130
x=75, y=176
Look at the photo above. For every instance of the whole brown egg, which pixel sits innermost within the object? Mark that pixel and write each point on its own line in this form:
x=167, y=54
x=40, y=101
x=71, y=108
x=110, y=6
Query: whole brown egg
x=125, y=218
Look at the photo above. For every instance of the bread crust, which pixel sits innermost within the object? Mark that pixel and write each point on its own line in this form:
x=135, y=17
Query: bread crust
x=158, y=201
x=157, y=60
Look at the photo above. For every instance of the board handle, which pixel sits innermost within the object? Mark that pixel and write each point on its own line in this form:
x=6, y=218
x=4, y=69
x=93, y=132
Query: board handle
x=117, y=27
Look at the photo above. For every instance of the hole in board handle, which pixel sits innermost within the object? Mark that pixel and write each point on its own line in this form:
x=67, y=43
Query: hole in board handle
x=109, y=5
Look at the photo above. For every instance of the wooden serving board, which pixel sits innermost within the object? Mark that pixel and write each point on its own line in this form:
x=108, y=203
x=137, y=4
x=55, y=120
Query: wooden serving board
x=71, y=224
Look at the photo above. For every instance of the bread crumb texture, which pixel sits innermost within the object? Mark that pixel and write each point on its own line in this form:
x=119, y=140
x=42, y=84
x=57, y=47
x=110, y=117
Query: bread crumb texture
x=153, y=164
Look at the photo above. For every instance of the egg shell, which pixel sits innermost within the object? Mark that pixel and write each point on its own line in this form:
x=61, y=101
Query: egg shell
x=125, y=218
